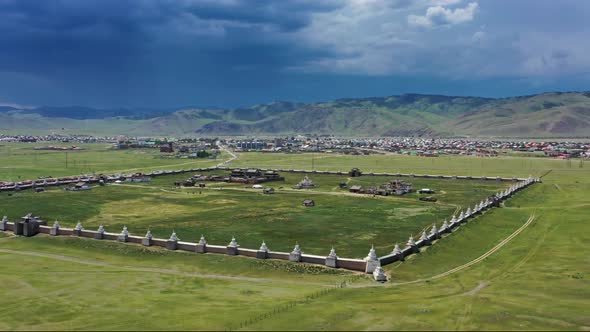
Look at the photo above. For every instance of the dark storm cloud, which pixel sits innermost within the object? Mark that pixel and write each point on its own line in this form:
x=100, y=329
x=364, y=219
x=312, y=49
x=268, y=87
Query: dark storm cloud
x=108, y=32
x=141, y=43
x=284, y=15
x=236, y=52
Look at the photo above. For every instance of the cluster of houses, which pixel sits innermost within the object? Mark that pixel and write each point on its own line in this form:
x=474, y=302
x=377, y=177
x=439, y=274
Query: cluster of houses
x=426, y=147
x=238, y=175
x=394, y=187
x=80, y=186
x=79, y=182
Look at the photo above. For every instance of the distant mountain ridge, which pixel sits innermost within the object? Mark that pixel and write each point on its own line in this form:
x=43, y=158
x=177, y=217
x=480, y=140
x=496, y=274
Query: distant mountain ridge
x=563, y=114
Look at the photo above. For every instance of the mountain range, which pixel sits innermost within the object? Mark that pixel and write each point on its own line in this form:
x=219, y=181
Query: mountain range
x=553, y=114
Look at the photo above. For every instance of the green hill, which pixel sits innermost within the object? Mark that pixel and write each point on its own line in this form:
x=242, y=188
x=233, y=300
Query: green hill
x=553, y=114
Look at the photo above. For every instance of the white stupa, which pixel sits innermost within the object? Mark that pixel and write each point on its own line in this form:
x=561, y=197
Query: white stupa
x=433, y=230
x=56, y=224
x=372, y=256
x=233, y=243
x=444, y=226
x=396, y=250
x=332, y=253
x=297, y=249
x=100, y=229
x=411, y=242
x=79, y=226
x=379, y=274
x=148, y=235
x=202, y=240
x=125, y=232
x=424, y=237
x=263, y=247
x=173, y=237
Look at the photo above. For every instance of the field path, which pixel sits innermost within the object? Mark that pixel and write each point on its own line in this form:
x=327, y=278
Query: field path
x=477, y=260
x=155, y=270
x=466, y=265
x=224, y=148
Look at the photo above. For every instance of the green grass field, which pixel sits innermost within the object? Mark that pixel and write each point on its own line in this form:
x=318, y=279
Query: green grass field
x=446, y=165
x=80, y=284
x=20, y=161
x=536, y=280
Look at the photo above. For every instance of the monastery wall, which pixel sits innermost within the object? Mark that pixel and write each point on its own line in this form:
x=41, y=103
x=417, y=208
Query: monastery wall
x=345, y=263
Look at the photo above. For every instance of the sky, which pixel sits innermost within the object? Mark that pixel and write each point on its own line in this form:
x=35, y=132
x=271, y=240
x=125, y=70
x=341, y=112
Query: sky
x=234, y=53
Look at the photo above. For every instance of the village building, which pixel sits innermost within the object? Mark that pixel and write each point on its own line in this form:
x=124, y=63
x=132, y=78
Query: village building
x=166, y=148
x=139, y=177
x=245, y=173
x=398, y=187
x=395, y=187
x=308, y=203
x=355, y=172
x=80, y=186
x=356, y=188
x=269, y=191
x=239, y=175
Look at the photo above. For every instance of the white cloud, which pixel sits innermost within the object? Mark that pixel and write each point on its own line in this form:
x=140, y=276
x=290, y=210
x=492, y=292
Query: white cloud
x=439, y=15
x=375, y=37
x=444, y=2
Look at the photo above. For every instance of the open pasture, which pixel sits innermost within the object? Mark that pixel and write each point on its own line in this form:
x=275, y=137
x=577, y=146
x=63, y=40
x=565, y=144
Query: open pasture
x=445, y=164
x=537, y=280
x=20, y=161
x=82, y=284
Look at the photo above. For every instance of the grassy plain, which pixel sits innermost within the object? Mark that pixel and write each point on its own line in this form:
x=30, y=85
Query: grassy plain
x=446, y=165
x=537, y=280
x=20, y=161
x=81, y=284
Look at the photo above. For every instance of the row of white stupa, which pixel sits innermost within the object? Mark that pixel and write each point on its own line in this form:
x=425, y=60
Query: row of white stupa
x=435, y=232
x=373, y=262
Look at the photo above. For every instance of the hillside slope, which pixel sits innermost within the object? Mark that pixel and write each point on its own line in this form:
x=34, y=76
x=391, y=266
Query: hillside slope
x=545, y=115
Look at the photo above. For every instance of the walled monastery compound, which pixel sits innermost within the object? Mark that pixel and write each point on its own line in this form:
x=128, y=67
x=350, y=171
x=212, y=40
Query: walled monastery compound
x=371, y=264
